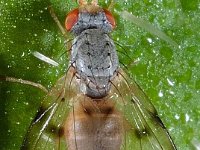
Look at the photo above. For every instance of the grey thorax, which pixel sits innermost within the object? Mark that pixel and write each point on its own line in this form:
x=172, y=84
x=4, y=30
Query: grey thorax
x=93, y=54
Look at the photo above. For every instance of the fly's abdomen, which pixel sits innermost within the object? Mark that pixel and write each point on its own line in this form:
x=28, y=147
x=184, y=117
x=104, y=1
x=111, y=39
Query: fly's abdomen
x=94, y=125
x=95, y=60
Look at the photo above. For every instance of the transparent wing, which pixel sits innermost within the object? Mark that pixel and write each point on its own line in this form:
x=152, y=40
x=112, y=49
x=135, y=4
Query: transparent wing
x=96, y=124
x=46, y=131
x=143, y=128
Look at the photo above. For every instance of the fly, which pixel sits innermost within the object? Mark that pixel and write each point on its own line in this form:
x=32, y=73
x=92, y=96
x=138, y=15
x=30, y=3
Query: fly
x=95, y=106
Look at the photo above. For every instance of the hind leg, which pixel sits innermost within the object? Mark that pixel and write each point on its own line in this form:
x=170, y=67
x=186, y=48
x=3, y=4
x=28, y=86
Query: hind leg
x=21, y=81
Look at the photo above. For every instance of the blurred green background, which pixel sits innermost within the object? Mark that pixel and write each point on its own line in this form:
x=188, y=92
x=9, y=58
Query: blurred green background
x=169, y=75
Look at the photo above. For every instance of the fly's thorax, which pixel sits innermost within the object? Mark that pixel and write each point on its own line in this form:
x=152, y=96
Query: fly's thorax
x=95, y=60
x=87, y=20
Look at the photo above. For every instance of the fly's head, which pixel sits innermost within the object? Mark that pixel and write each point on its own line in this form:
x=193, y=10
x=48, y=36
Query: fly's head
x=89, y=16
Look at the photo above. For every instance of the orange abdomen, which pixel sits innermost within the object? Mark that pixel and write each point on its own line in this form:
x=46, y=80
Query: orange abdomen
x=94, y=126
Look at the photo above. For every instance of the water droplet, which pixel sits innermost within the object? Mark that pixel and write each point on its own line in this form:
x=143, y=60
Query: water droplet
x=26, y=103
x=23, y=54
x=187, y=117
x=170, y=82
x=171, y=92
x=160, y=94
x=177, y=117
x=149, y=40
x=28, y=19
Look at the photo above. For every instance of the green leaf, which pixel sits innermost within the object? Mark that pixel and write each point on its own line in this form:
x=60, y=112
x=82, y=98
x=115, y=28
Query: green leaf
x=170, y=76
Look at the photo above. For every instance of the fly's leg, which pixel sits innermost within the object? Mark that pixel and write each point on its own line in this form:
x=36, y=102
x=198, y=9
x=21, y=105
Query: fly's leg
x=111, y=5
x=82, y=2
x=94, y=2
x=148, y=27
x=62, y=29
x=55, y=18
x=21, y=81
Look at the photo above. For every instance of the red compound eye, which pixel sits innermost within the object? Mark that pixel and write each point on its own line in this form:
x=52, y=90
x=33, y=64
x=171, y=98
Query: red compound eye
x=71, y=19
x=110, y=18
